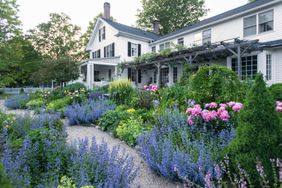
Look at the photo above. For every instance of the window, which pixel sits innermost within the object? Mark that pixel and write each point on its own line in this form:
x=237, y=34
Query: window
x=109, y=51
x=175, y=74
x=164, y=75
x=266, y=21
x=110, y=74
x=134, y=50
x=155, y=76
x=162, y=47
x=268, y=67
x=97, y=76
x=131, y=74
x=198, y=39
x=154, y=49
x=250, y=25
x=96, y=54
x=180, y=41
x=249, y=67
x=102, y=34
x=206, y=37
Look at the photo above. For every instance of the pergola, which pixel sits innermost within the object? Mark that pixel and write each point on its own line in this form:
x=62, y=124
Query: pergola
x=222, y=49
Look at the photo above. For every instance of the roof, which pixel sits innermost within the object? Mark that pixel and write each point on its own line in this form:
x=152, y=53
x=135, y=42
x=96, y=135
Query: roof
x=271, y=44
x=219, y=17
x=132, y=30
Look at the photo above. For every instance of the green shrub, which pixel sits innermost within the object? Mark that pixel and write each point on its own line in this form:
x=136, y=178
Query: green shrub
x=74, y=87
x=215, y=84
x=175, y=96
x=258, y=135
x=66, y=182
x=121, y=91
x=276, y=91
x=59, y=104
x=110, y=120
x=35, y=103
x=130, y=129
x=143, y=99
x=4, y=181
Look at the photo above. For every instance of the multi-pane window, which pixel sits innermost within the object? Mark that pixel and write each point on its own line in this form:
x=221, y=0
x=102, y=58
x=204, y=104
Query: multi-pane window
x=175, y=74
x=164, y=75
x=139, y=76
x=154, y=49
x=266, y=21
x=198, y=38
x=164, y=46
x=102, y=34
x=250, y=25
x=206, y=36
x=167, y=44
x=134, y=50
x=155, y=76
x=96, y=54
x=132, y=74
x=268, y=67
x=180, y=41
x=109, y=51
x=249, y=67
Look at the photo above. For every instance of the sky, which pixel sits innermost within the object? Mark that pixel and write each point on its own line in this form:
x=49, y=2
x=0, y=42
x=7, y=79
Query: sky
x=34, y=12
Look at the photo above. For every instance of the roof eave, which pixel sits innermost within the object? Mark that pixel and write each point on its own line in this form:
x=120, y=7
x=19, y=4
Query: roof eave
x=125, y=34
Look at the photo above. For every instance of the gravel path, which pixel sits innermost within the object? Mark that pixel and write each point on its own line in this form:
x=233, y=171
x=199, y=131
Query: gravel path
x=146, y=178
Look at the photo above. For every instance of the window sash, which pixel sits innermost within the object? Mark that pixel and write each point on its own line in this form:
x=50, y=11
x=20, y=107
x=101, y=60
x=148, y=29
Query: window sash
x=175, y=76
x=266, y=22
x=268, y=67
x=180, y=41
x=154, y=49
x=249, y=67
x=162, y=47
x=134, y=50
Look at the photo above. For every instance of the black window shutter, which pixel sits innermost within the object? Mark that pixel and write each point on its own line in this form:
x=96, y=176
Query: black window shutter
x=99, y=35
x=129, y=73
x=104, y=32
x=113, y=49
x=139, y=49
x=99, y=53
x=129, y=49
x=93, y=56
x=104, y=51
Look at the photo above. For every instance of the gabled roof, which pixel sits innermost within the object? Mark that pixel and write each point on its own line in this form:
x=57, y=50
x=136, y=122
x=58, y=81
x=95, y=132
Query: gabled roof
x=131, y=30
x=219, y=17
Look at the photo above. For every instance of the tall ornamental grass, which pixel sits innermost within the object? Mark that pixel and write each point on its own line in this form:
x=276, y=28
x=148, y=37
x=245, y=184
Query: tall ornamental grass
x=121, y=91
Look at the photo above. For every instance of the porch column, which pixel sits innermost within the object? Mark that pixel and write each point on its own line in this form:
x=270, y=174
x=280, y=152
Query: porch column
x=239, y=62
x=158, y=75
x=90, y=75
x=170, y=75
x=116, y=72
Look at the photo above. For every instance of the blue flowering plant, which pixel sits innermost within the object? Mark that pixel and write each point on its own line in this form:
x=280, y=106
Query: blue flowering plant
x=17, y=101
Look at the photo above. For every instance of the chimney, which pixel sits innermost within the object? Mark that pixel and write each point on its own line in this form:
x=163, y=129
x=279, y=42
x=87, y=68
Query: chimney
x=107, y=10
x=156, y=26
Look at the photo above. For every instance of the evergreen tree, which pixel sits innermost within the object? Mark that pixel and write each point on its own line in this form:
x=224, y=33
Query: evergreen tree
x=259, y=133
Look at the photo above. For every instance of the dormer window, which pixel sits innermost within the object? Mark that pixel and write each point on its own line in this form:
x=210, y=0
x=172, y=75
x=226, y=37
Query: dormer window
x=266, y=21
x=102, y=34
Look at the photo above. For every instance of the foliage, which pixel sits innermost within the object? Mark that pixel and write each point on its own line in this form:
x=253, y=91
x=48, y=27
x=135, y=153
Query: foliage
x=121, y=91
x=175, y=96
x=259, y=131
x=188, y=71
x=130, y=129
x=9, y=22
x=59, y=104
x=35, y=104
x=111, y=119
x=142, y=99
x=62, y=69
x=179, y=151
x=168, y=13
x=17, y=101
x=66, y=182
x=74, y=87
x=87, y=112
x=145, y=58
x=4, y=181
x=215, y=84
x=276, y=91
x=57, y=38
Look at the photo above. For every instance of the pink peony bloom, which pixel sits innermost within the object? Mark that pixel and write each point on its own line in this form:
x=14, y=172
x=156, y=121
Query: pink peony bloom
x=237, y=107
x=190, y=120
x=223, y=105
x=208, y=116
x=224, y=115
x=211, y=105
x=194, y=111
x=279, y=108
x=231, y=104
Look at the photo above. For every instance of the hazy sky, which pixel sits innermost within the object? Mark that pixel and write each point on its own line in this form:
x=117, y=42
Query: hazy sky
x=33, y=12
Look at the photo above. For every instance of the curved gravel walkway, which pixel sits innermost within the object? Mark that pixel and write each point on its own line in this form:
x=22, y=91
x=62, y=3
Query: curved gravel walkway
x=146, y=178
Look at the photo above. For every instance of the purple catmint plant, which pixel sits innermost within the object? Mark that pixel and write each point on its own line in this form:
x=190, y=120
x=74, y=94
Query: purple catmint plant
x=88, y=112
x=181, y=152
x=17, y=101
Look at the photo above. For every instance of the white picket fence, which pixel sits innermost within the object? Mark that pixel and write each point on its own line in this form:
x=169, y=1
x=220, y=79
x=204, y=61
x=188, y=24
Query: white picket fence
x=24, y=89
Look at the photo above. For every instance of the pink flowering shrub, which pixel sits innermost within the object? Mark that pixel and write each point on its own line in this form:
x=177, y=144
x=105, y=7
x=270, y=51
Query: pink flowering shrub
x=279, y=106
x=151, y=88
x=213, y=113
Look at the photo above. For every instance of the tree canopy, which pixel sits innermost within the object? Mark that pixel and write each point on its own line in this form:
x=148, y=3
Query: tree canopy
x=172, y=15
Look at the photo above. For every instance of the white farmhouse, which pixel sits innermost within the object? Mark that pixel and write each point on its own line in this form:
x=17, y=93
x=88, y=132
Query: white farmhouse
x=247, y=39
